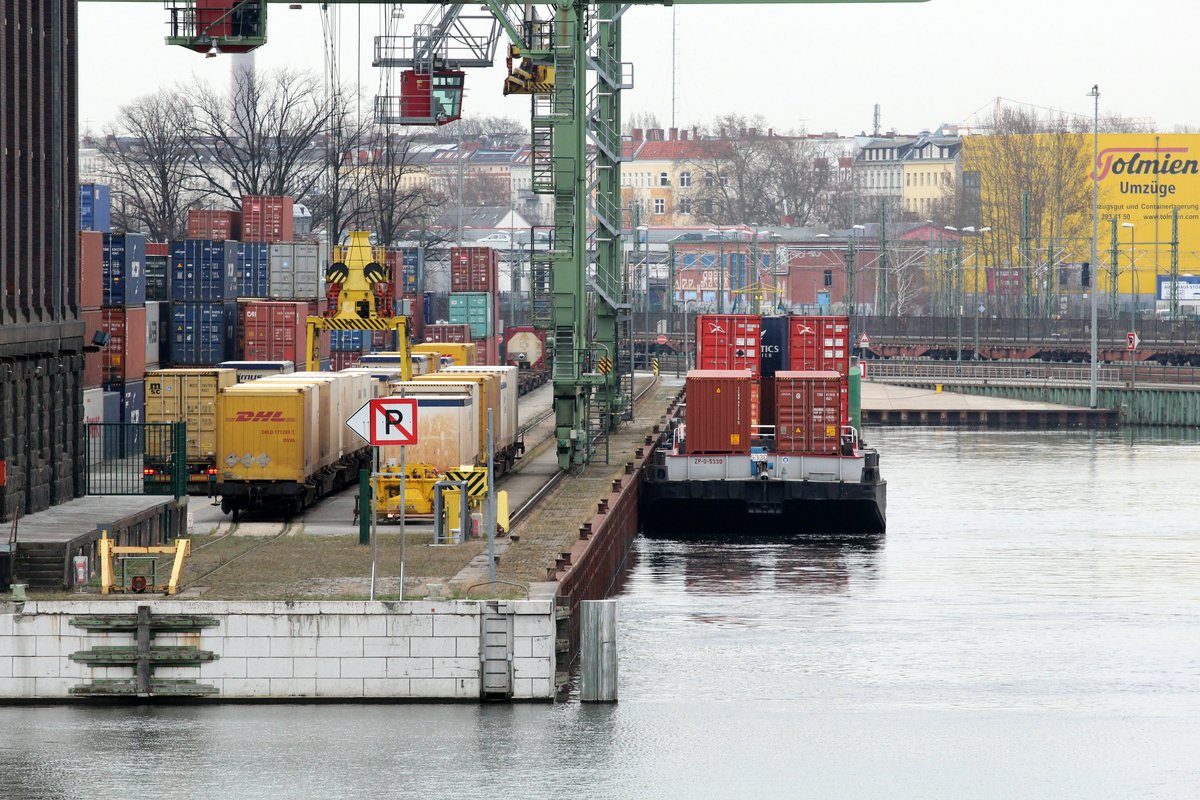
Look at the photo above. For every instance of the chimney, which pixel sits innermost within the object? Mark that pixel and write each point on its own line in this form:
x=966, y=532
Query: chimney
x=637, y=134
x=695, y=132
x=683, y=135
x=752, y=133
x=654, y=134
x=770, y=132
x=674, y=134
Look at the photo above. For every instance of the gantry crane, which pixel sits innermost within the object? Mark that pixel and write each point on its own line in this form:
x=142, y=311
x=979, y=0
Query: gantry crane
x=356, y=271
x=577, y=150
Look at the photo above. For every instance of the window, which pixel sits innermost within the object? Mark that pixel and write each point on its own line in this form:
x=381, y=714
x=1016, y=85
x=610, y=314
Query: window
x=660, y=205
x=685, y=205
x=663, y=179
x=706, y=206
x=708, y=179
x=685, y=180
x=828, y=278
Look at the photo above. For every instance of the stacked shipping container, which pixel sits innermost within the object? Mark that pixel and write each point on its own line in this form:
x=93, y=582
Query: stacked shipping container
x=802, y=362
x=475, y=299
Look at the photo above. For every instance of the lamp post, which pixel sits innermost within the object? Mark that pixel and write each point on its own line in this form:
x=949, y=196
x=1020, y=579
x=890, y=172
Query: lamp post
x=720, y=268
x=1133, y=278
x=1095, y=94
x=640, y=235
x=686, y=355
x=956, y=291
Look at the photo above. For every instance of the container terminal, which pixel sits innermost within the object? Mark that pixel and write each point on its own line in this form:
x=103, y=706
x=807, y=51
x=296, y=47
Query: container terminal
x=188, y=513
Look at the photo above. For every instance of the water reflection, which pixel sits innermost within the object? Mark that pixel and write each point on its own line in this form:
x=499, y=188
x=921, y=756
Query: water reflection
x=748, y=565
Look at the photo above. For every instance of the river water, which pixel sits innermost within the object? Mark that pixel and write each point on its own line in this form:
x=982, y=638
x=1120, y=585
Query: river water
x=1029, y=627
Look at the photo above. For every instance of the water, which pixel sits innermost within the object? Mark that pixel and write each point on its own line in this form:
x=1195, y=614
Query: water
x=1029, y=627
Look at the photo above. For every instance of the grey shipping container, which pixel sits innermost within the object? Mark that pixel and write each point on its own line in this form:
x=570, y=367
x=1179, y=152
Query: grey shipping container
x=153, y=334
x=295, y=271
x=111, y=404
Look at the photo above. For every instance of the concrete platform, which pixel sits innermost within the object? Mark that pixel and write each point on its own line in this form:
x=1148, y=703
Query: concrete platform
x=46, y=541
x=889, y=404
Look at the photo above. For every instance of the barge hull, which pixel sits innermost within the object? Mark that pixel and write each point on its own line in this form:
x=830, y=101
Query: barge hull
x=768, y=507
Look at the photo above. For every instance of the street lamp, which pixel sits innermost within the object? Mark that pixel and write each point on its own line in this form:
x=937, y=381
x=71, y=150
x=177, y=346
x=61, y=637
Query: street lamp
x=1133, y=279
x=686, y=355
x=1095, y=95
x=957, y=290
x=979, y=307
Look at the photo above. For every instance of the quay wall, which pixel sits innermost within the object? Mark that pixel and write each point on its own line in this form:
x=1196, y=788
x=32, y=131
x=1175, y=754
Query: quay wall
x=275, y=650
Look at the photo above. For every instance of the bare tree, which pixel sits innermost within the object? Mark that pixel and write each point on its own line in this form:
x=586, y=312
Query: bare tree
x=646, y=120
x=485, y=189
x=391, y=202
x=263, y=138
x=753, y=176
x=336, y=198
x=145, y=157
x=495, y=129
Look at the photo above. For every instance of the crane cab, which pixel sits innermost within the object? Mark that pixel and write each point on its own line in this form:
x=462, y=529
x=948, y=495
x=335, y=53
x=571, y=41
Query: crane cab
x=426, y=98
x=218, y=26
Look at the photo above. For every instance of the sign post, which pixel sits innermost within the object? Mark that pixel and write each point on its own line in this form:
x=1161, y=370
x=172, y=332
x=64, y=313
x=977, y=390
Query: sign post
x=386, y=421
x=1131, y=344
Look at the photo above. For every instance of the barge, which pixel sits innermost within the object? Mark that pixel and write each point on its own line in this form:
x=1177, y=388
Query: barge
x=768, y=439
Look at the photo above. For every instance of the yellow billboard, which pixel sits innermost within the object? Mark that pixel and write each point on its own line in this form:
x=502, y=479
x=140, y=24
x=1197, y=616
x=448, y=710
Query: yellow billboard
x=1144, y=178
x=1035, y=201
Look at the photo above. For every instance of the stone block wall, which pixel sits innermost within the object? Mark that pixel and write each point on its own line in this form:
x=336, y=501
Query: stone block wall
x=291, y=650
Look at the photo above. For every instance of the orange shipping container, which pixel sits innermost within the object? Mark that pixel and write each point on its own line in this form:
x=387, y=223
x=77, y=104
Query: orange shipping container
x=91, y=270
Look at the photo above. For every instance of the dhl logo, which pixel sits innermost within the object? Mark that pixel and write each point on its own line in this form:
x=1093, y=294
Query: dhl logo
x=259, y=416
x=1131, y=162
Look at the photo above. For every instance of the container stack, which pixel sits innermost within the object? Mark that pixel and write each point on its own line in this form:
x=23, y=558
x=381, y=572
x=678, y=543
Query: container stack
x=203, y=301
x=122, y=317
x=475, y=298
x=95, y=208
x=798, y=387
x=91, y=299
x=277, y=331
x=158, y=271
x=347, y=347
x=407, y=266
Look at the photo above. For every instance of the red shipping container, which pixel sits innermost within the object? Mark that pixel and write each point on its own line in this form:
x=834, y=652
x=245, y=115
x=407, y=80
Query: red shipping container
x=277, y=331
x=91, y=270
x=718, y=411
x=474, y=269
x=444, y=332
x=209, y=223
x=416, y=322
x=161, y=249
x=267, y=218
x=124, y=357
x=93, y=363
x=819, y=343
x=487, y=351
x=343, y=360
x=729, y=341
x=809, y=412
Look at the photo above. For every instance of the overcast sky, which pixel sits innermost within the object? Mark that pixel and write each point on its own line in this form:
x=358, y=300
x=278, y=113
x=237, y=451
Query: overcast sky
x=820, y=67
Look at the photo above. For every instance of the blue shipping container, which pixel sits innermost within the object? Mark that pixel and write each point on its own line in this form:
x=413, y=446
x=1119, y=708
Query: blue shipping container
x=427, y=308
x=132, y=395
x=253, y=269
x=204, y=269
x=774, y=337
x=412, y=260
x=111, y=445
x=204, y=333
x=124, y=270
x=95, y=208
x=349, y=341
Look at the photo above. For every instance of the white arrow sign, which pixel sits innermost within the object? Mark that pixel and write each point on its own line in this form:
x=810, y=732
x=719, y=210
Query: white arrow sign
x=387, y=420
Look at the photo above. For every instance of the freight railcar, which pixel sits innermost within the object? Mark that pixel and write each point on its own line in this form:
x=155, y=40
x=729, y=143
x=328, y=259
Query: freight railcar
x=283, y=443
x=190, y=396
x=525, y=348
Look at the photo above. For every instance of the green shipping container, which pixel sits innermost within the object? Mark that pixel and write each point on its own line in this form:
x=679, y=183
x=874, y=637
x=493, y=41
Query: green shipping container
x=474, y=309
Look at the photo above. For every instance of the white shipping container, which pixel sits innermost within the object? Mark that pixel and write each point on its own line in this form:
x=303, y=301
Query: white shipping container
x=294, y=271
x=93, y=409
x=478, y=409
x=508, y=424
x=445, y=433
x=153, y=333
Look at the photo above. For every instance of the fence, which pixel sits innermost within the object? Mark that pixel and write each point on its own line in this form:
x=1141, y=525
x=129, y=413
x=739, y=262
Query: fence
x=136, y=458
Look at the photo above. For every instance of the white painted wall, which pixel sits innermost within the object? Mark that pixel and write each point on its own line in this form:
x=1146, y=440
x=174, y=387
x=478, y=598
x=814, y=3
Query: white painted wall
x=291, y=650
